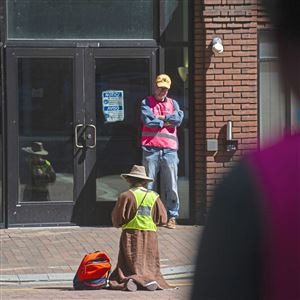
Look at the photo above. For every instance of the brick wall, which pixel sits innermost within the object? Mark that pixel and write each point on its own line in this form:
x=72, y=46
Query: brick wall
x=225, y=88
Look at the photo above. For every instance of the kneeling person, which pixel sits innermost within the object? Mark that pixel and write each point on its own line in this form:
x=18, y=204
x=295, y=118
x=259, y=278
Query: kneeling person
x=138, y=211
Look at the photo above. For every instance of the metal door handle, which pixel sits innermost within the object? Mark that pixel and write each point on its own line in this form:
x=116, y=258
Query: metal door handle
x=76, y=135
x=95, y=135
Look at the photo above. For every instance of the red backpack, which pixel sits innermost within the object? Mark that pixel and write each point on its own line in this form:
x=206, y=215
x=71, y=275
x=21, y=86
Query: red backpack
x=93, y=272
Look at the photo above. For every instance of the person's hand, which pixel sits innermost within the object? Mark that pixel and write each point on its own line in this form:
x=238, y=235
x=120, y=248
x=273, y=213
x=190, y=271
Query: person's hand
x=38, y=172
x=161, y=117
x=167, y=124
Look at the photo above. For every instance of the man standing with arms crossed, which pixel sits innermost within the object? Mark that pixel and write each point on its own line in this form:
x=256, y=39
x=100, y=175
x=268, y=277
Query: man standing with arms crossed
x=161, y=116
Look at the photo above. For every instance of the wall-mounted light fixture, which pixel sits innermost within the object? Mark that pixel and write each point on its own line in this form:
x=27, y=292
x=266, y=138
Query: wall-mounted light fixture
x=183, y=73
x=231, y=145
x=217, y=45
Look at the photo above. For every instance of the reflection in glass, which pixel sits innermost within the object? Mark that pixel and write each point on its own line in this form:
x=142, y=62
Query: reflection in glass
x=272, y=107
x=295, y=114
x=118, y=142
x=174, y=20
x=80, y=19
x=267, y=45
x=45, y=129
x=39, y=173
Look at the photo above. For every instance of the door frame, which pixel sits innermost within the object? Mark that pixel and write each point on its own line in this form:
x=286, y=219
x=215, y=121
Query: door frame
x=100, y=212
x=82, y=210
x=34, y=214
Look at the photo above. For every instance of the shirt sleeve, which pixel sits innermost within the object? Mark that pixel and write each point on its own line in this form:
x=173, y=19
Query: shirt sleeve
x=159, y=213
x=228, y=265
x=124, y=210
x=148, y=118
x=176, y=118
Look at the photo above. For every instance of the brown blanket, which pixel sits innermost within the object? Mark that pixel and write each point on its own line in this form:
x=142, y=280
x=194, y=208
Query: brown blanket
x=138, y=250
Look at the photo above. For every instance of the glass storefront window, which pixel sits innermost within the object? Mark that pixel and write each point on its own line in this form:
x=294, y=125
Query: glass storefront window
x=279, y=110
x=80, y=19
x=295, y=113
x=267, y=46
x=272, y=104
x=174, y=20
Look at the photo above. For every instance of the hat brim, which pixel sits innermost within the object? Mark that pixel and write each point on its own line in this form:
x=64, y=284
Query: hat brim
x=29, y=150
x=163, y=85
x=136, y=176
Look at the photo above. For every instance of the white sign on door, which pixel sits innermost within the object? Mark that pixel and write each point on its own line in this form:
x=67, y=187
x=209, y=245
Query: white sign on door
x=113, y=105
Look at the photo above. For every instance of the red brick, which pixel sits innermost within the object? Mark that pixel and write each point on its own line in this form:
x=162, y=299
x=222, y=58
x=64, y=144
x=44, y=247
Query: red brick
x=221, y=19
x=224, y=65
x=245, y=112
x=223, y=77
x=249, y=106
x=223, y=112
x=244, y=77
x=245, y=100
x=232, y=118
x=244, y=88
x=232, y=95
x=214, y=83
x=232, y=106
x=214, y=118
x=223, y=101
x=249, y=118
x=245, y=124
x=223, y=89
x=232, y=71
x=214, y=107
x=232, y=82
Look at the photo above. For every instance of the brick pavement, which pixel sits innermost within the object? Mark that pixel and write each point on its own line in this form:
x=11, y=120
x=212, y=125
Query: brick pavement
x=66, y=292
x=49, y=257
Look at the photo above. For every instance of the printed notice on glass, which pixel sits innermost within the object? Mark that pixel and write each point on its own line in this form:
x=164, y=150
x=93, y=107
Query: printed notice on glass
x=113, y=105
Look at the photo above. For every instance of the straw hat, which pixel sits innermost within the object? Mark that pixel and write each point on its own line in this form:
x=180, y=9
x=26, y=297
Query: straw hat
x=36, y=148
x=137, y=172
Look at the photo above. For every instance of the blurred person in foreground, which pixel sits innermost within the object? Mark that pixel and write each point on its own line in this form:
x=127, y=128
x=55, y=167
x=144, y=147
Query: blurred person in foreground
x=138, y=211
x=250, y=248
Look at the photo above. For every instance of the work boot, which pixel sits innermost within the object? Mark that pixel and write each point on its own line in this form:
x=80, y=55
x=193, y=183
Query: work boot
x=151, y=286
x=171, y=223
x=131, y=285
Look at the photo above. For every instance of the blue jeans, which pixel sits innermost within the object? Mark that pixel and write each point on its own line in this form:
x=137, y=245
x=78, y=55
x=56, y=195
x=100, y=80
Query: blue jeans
x=166, y=161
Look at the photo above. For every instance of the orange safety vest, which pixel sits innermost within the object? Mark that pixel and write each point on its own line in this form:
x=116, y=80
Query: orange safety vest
x=165, y=137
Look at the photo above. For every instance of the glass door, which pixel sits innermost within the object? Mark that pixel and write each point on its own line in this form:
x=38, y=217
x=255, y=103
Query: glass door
x=44, y=107
x=120, y=80
x=73, y=127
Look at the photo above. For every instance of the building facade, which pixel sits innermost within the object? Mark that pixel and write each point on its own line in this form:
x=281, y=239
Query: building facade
x=74, y=72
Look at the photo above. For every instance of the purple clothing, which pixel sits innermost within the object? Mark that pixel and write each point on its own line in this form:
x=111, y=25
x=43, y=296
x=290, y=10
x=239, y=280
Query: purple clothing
x=277, y=173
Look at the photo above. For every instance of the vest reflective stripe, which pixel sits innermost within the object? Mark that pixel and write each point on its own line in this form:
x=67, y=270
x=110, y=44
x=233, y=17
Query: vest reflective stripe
x=44, y=166
x=159, y=134
x=143, y=217
x=165, y=137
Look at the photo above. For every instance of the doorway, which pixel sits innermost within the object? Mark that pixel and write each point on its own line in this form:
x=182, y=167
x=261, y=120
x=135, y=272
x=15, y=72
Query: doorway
x=77, y=109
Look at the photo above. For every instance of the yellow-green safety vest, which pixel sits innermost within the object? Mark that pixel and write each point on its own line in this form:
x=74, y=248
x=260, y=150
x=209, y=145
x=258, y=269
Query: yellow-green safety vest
x=143, y=217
